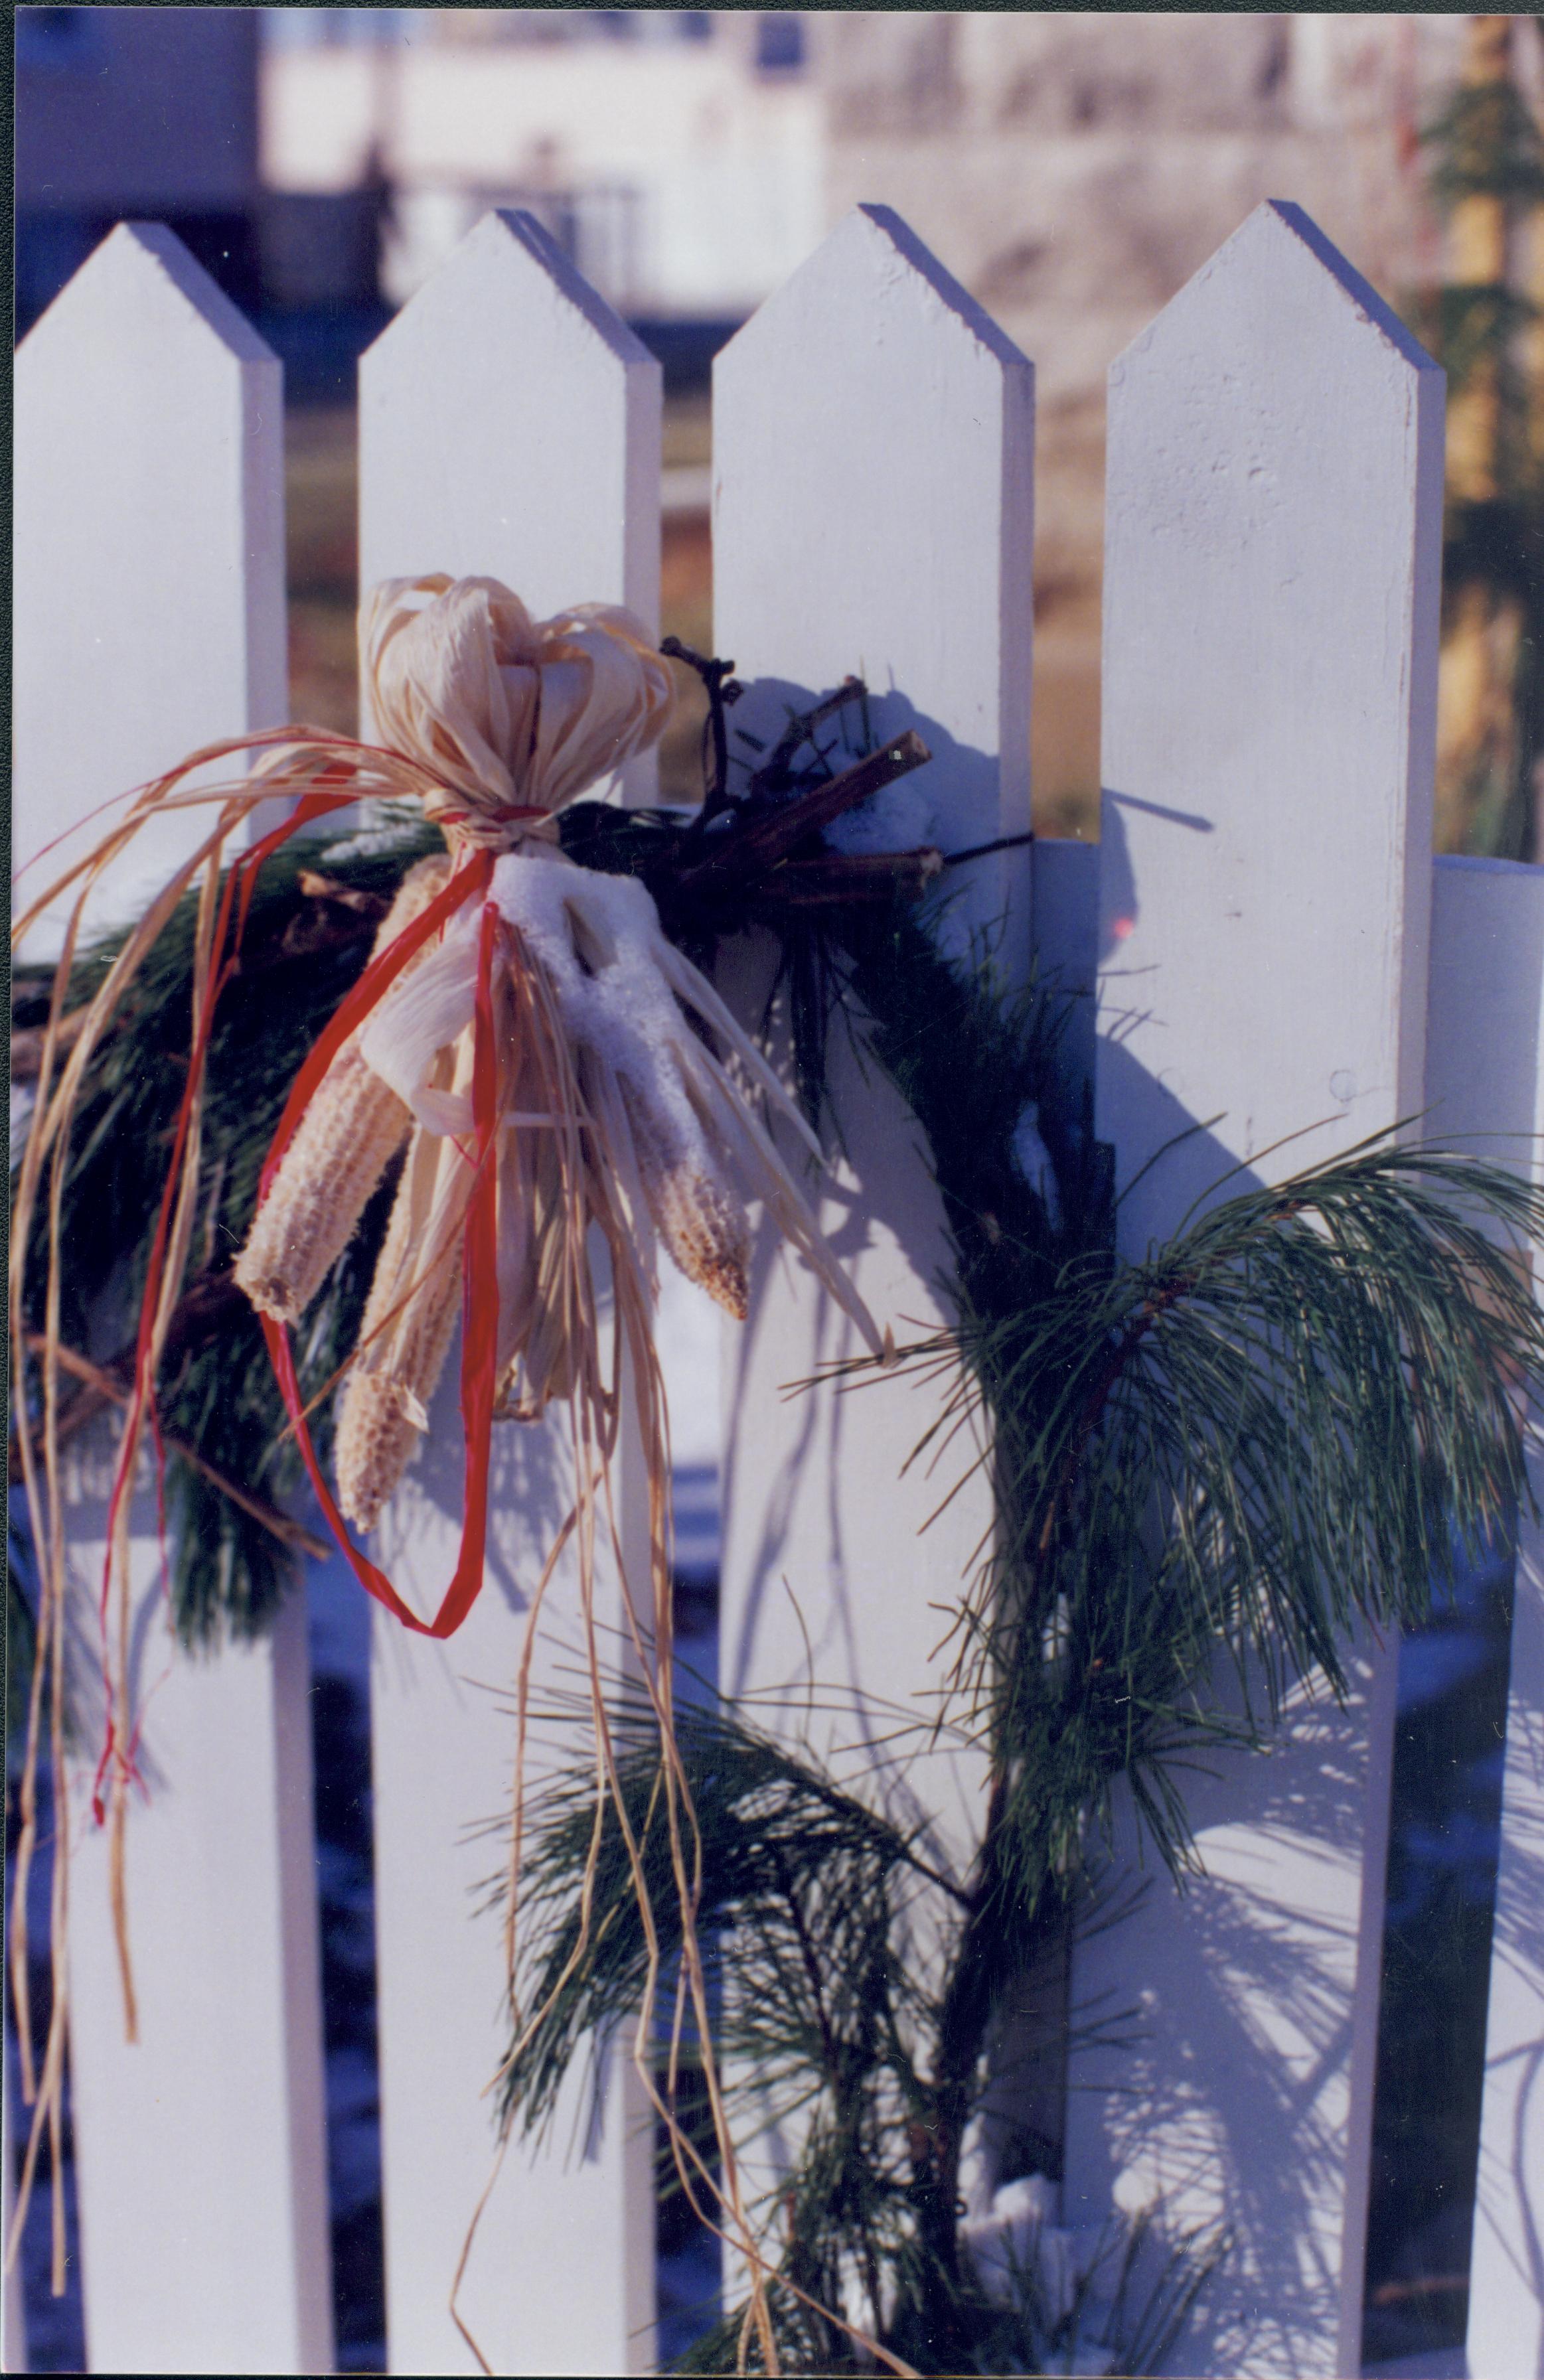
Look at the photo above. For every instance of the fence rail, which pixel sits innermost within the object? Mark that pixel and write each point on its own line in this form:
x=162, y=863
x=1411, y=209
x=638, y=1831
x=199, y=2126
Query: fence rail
x=1257, y=949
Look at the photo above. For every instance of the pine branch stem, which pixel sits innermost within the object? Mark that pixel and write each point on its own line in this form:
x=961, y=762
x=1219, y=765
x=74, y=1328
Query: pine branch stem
x=290, y=1532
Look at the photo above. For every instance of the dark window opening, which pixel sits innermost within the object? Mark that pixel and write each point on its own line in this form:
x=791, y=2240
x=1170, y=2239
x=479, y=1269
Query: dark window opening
x=779, y=42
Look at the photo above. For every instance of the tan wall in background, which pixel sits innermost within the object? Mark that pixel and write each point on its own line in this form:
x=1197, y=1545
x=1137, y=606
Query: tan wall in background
x=1073, y=171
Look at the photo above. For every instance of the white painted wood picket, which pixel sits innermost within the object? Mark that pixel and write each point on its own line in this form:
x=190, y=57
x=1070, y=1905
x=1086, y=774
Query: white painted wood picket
x=1260, y=915
x=1271, y=580
x=533, y=457
x=148, y=575
x=904, y=558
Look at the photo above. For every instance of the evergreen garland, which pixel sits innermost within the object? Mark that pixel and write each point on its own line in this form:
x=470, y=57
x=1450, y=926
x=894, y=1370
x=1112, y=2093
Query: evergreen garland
x=1208, y=1463
x=307, y=938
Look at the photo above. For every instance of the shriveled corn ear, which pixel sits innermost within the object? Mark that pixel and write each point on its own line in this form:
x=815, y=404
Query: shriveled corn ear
x=693, y=1207
x=407, y=1326
x=351, y=1131
x=603, y=1077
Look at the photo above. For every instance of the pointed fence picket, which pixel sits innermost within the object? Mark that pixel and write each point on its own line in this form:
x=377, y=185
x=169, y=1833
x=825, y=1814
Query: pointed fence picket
x=149, y=620
x=510, y=427
x=1274, y=521
x=1260, y=915
x=903, y=557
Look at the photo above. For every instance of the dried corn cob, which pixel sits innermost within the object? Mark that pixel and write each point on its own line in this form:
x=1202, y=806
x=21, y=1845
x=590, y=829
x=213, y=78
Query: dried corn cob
x=348, y=1136
x=379, y=1428
x=407, y=1325
x=692, y=1204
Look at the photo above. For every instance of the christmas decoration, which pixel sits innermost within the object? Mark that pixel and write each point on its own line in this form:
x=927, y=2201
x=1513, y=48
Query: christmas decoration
x=553, y=1067
x=1208, y=1464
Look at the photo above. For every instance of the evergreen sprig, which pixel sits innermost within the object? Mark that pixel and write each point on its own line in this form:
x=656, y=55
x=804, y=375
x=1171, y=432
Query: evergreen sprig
x=837, y=1936
x=1211, y=1465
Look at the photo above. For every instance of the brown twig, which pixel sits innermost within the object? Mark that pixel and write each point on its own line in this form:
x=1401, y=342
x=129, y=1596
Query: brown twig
x=760, y=843
x=845, y=877
x=290, y=1532
x=771, y=777
x=26, y=1042
x=721, y=688
x=371, y=905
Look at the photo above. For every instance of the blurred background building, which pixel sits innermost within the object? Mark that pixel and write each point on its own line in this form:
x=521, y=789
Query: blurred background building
x=137, y=112
x=678, y=156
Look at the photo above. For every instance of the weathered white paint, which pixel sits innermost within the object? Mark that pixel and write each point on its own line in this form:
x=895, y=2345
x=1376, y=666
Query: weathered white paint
x=1273, y=526
x=509, y=426
x=149, y=619
x=1484, y=1077
x=1270, y=638
x=561, y=2276
x=149, y=552
x=872, y=460
x=873, y=512
x=201, y=2159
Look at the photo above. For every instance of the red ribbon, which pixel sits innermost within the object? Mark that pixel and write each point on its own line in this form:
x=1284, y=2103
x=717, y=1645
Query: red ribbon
x=480, y=1301
x=241, y=880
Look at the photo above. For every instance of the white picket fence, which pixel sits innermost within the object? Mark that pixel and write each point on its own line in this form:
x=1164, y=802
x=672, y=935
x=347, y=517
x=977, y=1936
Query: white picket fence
x=1261, y=937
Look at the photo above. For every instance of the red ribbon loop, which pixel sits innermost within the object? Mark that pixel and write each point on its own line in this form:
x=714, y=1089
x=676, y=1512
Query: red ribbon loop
x=479, y=1261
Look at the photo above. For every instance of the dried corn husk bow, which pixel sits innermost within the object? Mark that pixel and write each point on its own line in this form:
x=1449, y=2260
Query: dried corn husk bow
x=507, y=714
x=543, y=1055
